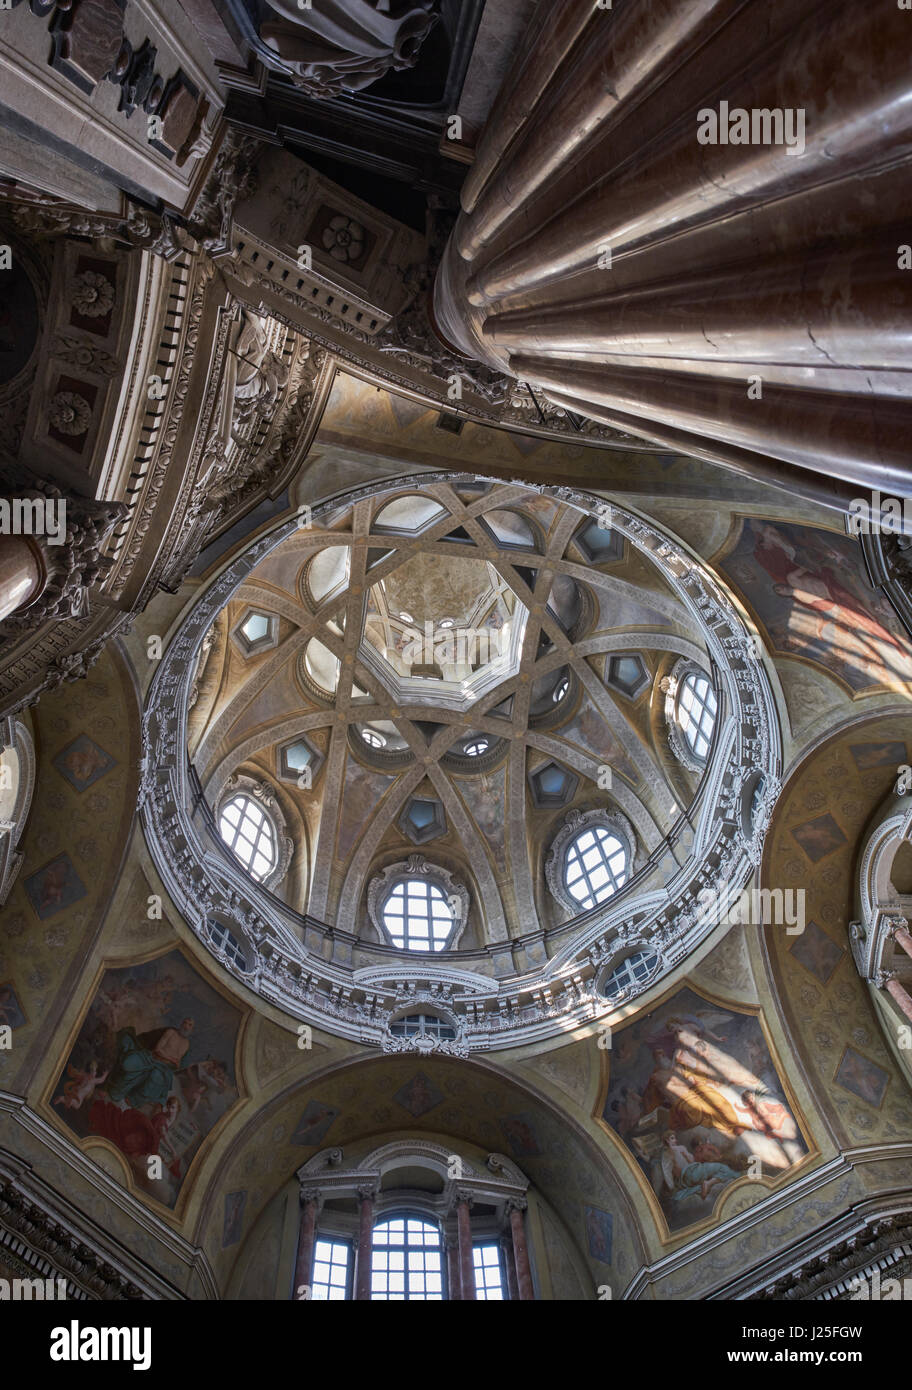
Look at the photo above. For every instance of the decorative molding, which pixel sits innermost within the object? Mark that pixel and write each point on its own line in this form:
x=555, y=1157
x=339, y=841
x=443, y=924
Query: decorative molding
x=73, y=567
x=879, y=908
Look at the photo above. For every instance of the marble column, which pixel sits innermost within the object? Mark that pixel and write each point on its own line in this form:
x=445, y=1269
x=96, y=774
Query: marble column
x=900, y=995
x=730, y=286
x=902, y=938
x=310, y=1205
x=509, y=1264
x=366, y=1197
x=22, y=573
x=516, y=1207
x=466, y=1265
x=454, y=1282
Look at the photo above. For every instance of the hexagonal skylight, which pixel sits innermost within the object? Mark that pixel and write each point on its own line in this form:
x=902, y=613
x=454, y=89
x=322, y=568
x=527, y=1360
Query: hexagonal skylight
x=256, y=632
x=423, y=819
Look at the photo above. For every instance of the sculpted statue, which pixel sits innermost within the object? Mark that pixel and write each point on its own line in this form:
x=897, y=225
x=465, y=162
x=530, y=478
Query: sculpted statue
x=261, y=375
x=344, y=45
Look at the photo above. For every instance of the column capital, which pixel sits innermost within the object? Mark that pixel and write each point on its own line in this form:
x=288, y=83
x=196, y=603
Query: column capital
x=464, y=1194
x=515, y=1204
x=312, y=1194
x=367, y=1192
x=881, y=978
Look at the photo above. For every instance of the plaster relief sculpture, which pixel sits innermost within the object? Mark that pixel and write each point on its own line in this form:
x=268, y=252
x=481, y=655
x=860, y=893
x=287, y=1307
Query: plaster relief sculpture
x=346, y=46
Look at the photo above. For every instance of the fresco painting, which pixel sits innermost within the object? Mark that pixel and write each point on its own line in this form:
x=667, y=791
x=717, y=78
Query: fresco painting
x=818, y=837
x=521, y=1136
x=817, y=952
x=152, y=1069
x=235, y=1203
x=314, y=1124
x=55, y=886
x=696, y=1098
x=83, y=762
x=599, y=1234
x=809, y=590
x=862, y=1077
x=418, y=1096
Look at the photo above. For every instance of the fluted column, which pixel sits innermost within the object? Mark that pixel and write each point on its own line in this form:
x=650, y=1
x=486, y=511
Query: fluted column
x=22, y=573
x=749, y=302
x=464, y=1229
x=311, y=1200
x=365, y=1242
x=516, y=1207
x=454, y=1282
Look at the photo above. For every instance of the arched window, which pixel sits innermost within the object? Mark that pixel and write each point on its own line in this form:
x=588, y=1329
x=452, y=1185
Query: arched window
x=590, y=859
x=406, y=1261
x=696, y=712
x=250, y=834
x=17, y=786
x=428, y=1025
x=632, y=971
x=224, y=940
x=691, y=711
x=476, y=747
x=417, y=905
x=417, y=914
x=595, y=865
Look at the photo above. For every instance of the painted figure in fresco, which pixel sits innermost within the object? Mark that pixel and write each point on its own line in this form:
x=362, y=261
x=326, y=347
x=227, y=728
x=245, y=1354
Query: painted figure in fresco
x=520, y=1136
x=628, y=1110
x=820, y=590
x=765, y=1116
x=313, y=1122
x=117, y=1002
x=684, y=1083
x=83, y=763
x=81, y=1086
x=145, y=1067
x=666, y=1037
x=196, y=1080
x=53, y=887
x=135, y=1134
x=696, y=1174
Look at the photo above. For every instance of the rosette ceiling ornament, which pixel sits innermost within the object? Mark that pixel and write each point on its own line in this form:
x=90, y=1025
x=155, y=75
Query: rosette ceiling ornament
x=476, y=670
x=688, y=219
